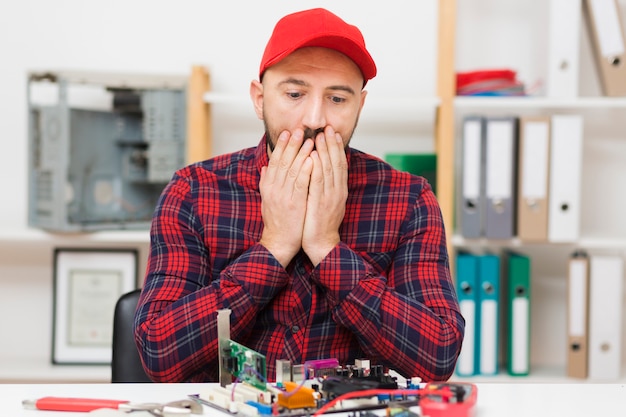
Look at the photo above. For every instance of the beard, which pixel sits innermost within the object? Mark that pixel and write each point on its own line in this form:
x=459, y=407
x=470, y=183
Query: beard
x=271, y=134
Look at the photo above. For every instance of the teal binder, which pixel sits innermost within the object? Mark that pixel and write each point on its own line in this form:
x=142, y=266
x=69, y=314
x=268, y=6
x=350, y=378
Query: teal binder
x=422, y=164
x=467, y=286
x=488, y=313
x=518, y=314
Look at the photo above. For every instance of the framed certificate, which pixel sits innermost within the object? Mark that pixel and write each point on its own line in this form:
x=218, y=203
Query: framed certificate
x=87, y=285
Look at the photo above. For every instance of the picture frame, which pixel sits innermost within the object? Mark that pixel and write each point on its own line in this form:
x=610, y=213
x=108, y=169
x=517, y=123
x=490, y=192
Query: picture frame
x=86, y=286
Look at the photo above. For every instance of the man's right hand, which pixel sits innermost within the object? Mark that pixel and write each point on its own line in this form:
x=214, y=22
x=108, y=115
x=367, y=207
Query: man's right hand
x=284, y=188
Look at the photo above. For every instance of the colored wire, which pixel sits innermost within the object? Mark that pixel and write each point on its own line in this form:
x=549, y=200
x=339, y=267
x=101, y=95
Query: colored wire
x=238, y=379
x=287, y=394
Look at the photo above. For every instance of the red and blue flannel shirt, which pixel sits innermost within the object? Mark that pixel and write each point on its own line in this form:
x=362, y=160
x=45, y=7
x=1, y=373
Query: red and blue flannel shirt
x=384, y=293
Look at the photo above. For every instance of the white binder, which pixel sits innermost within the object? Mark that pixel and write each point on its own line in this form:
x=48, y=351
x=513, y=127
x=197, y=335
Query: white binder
x=578, y=315
x=565, y=178
x=564, y=48
x=472, y=199
x=534, y=164
x=606, y=292
x=500, y=177
x=607, y=37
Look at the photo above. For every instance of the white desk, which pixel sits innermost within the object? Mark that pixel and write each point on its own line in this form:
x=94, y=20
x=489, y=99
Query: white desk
x=494, y=400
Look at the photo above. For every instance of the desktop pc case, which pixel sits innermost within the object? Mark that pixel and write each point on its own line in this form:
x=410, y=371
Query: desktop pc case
x=103, y=169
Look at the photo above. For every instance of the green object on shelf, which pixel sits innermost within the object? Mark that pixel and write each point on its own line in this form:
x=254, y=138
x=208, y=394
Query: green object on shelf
x=422, y=164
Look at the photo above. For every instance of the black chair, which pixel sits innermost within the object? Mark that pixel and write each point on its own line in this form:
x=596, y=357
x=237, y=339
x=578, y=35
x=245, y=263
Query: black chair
x=125, y=362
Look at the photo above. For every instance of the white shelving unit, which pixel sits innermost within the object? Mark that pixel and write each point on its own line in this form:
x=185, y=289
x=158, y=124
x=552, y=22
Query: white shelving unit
x=512, y=34
x=26, y=258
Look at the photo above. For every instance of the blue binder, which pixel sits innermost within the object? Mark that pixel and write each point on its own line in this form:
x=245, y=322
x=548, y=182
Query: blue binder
x=467, y=286
x=488, y=313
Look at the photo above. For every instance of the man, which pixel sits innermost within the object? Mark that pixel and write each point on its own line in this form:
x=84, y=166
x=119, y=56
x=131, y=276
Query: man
x=319, y=250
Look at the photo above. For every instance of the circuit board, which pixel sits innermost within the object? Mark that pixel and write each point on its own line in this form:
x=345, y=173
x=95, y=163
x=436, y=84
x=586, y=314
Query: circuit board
x=243, y=364
x=323, y=386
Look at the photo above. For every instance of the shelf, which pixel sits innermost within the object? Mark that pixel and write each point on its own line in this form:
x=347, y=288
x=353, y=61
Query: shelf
x=212, y=97
x=36, y=245
x=35, y=236
x=390, y=103
x=40, y=370
x=583, y=242
x=389, y=114
x=552, y=375
x=467, y=102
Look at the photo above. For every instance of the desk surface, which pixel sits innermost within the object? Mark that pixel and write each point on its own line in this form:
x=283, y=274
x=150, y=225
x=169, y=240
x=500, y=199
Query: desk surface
x=494, y=400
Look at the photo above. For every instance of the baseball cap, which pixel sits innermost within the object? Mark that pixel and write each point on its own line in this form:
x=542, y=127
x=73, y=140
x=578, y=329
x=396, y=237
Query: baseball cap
x=317, y=27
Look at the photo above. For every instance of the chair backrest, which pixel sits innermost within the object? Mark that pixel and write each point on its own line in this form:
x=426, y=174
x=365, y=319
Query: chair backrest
x=125, y=362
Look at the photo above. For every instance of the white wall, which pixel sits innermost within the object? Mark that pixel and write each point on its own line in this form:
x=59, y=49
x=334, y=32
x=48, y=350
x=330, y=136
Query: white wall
x=159, y=36
x=228, y=37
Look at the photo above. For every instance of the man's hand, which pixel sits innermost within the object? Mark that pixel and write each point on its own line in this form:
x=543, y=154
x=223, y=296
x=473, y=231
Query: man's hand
x=328, y=192
x=284, y=188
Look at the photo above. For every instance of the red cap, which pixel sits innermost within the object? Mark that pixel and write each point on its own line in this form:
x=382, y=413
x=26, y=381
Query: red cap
x=317, y=27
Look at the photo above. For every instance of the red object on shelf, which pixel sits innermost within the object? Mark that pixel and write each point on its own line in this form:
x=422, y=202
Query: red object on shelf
x=466, y=78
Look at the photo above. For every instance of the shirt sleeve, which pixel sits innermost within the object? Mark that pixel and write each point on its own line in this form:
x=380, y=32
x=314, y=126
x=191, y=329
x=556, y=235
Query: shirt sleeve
x=408, y=318
x=176, y=319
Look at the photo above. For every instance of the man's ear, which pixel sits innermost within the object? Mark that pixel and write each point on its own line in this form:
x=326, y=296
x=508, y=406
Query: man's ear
x=256, y=94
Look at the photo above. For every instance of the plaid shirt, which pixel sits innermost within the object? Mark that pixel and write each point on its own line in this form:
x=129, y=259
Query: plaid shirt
x=384, y=293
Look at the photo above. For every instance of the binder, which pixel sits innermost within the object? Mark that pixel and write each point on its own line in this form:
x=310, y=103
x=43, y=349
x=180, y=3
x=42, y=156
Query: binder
x=605, y=317
x=606, y=31
x=467, y=287
x=422, y=164
x=534, y=164
x=563, y=48
x=472, y=199
x=488, y=302
x=518, y=313
x=500, y=176
x=565, y=178
x=578, y=315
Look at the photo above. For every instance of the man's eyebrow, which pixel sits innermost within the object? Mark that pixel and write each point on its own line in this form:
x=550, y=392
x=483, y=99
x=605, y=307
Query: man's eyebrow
x=295, y=81
x=344, y=88
x=302, y=83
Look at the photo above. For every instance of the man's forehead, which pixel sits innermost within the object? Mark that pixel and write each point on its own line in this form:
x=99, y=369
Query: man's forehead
x=311, y=59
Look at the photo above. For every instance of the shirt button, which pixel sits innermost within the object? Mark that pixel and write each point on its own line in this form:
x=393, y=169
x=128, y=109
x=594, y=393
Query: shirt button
x=295, y=329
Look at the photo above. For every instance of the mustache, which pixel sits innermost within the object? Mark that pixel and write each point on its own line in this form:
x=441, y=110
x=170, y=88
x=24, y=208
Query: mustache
x=312, y=133
x=308, y=134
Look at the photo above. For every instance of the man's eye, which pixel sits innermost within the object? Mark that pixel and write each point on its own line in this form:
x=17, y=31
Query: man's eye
x=337, y=100
x=294, y=95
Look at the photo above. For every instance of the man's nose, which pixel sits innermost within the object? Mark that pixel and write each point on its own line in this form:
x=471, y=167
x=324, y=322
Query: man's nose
x=314, y=118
